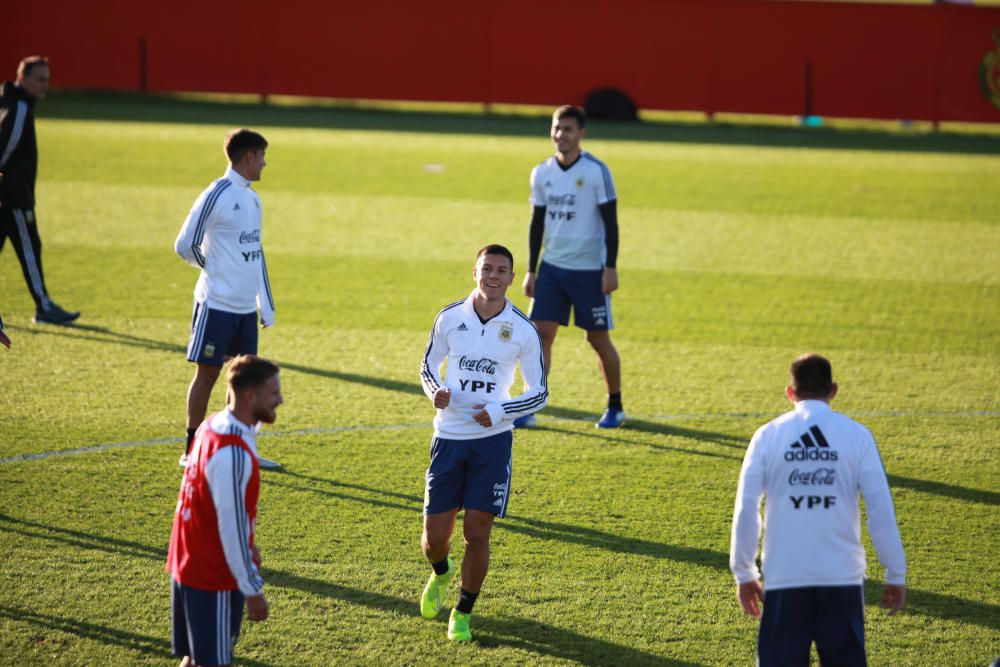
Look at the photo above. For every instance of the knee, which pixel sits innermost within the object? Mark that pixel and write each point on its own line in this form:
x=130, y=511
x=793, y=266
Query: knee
x=476, y=538
x=434, y=541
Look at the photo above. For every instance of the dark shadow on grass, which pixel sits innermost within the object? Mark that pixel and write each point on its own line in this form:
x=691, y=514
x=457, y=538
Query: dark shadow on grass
x=534, y=636
x=105, y=335
x=608, y=438
x=536, y=528
x=168, y=109
x=947, y=490
x=645, y=426
x=101, y=335
x=81, y=539
x=103, y=634
x=368, y=380
x=925, y=603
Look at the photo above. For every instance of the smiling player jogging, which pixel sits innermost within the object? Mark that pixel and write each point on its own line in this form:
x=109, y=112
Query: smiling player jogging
x=483, y=338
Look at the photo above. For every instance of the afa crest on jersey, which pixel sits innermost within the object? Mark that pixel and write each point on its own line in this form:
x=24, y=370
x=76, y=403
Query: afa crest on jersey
x=579, y=182
x=506, y=332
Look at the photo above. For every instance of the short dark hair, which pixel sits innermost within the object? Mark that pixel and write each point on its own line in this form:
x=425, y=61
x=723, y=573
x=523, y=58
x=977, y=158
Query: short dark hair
x=242, y=140
x=811, y=376
x=496, y=249
x=249, y=370
x=29, y=63
x=570, y=111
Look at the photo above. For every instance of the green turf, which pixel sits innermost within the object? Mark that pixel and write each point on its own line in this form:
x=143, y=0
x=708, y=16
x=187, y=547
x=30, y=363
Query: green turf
x=742, y=246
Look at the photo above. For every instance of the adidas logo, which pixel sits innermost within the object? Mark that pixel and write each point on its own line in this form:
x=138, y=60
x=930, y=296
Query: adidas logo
x=462, y=327
x=498, y=502
x=811, y=447
x=237, y=207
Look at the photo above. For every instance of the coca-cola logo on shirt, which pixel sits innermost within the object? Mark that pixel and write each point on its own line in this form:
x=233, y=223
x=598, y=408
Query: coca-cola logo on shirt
x=812, y=477
x=483, y=365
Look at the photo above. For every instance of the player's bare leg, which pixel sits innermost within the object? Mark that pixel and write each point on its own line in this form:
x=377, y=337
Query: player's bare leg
x=437, y=533
x=200, y=392
x=611, y=368
x=547, y=332
x=476, y=527
x=607, y=355
x=436, y=544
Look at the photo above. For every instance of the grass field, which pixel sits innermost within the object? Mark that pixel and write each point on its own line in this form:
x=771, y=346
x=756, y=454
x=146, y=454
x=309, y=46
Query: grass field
x=742, y=246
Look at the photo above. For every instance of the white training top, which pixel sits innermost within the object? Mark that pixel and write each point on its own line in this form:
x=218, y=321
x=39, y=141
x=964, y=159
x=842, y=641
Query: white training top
x=811, y=464
x=574, y=230
x=228, y=473
x=221, y=236
x=482, y=358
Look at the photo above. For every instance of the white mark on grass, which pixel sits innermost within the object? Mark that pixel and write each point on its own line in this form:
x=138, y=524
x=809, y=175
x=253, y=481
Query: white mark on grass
x=398, y=427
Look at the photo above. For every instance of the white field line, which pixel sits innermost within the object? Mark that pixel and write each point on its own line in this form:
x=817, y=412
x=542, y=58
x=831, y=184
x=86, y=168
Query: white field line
x=397, y=427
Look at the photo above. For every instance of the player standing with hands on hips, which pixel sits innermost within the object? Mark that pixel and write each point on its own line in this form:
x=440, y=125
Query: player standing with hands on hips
x=483, y=338
x=575, y=218
x=18, y=169
x=811, y=463
x=222, y=237
x=213, y=557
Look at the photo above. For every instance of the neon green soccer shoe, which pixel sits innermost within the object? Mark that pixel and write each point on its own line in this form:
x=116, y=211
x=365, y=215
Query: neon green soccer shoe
x=431, y=601
x=458, y=626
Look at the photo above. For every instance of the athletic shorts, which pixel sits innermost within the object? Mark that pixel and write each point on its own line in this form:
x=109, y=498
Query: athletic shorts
x=556, y=290
x=206, y=623
x=474, y=474
x=217, y=334
x=793, y=618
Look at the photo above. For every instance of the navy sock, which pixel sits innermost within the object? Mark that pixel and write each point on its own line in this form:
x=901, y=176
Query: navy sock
x=190, y=439
x=440, y=567
x=615, y=401
x=465, y=601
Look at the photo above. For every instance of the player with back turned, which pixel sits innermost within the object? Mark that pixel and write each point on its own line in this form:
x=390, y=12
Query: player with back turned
x=811, y=464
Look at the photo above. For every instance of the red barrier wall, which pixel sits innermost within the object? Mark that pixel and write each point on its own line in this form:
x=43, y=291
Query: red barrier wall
x=864, y=60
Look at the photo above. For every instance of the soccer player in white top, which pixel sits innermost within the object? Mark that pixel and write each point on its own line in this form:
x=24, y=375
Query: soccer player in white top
x=222, y=237
x=812, y=463
x=483, y=338
x=575, y=218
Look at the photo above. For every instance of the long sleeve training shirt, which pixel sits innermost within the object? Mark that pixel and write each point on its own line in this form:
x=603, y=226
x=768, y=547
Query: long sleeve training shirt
x=222, y=237
x=812, y=464
x=482, y=358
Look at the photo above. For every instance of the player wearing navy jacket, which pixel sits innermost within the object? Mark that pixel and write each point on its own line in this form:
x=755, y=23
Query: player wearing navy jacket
x=18, y=169
x=812, y=463
x=483, y=338
x=222, y=237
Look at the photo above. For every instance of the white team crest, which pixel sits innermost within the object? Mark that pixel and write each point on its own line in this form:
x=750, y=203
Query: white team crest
x=506, y=332
x=209, y=349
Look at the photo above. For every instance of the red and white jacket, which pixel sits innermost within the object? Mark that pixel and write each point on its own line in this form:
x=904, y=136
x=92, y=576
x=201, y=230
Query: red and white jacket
x=213, y=534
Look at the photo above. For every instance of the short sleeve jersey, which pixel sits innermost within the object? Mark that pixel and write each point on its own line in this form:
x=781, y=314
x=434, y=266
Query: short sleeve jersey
x=574, y=230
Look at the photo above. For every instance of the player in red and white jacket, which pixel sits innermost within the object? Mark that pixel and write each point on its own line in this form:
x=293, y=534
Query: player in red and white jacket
x=213, y=558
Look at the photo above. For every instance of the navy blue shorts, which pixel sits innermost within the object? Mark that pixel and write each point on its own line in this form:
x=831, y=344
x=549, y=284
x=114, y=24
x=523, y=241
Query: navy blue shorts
x=474, y=474
x=556, y=290
x=216, y=334
x=206, y=623
x=793, y=618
